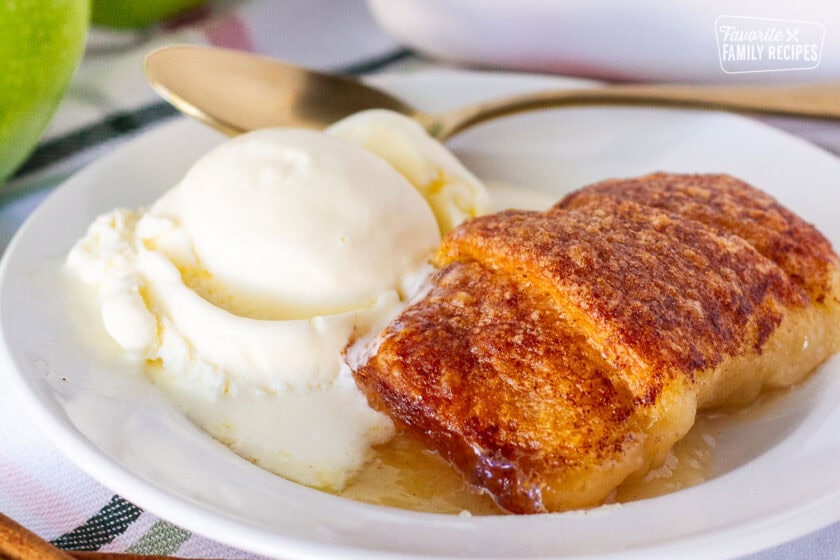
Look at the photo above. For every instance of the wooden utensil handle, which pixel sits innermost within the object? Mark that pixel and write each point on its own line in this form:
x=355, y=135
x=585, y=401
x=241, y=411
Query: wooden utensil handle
x=19, y=543
x=83, y=555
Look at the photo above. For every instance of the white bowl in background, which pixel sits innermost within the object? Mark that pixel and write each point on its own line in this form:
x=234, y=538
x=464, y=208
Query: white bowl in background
x=644, y=40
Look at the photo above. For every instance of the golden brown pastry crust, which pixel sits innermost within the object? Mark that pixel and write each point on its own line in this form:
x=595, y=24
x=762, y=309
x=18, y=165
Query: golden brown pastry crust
x=732, y=206
x=557, y=353
x=471, y=370
x=645, y=284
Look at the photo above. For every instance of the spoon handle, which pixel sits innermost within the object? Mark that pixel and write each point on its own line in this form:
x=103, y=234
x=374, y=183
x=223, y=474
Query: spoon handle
x=822, y=101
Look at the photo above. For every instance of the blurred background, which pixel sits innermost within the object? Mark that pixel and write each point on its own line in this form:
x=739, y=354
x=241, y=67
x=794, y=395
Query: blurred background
x=639, y=40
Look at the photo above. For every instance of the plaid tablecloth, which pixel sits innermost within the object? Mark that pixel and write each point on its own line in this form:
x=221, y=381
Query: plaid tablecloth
x=109, y=103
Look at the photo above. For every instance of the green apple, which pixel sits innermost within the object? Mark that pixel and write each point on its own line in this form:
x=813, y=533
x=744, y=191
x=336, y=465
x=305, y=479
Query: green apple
x=133, y=14
x=41, y=42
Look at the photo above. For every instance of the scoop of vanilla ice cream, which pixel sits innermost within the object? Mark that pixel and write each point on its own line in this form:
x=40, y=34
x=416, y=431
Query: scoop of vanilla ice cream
x=293, y=223
x=276, y=391
x=242, y=285
x=451, y=190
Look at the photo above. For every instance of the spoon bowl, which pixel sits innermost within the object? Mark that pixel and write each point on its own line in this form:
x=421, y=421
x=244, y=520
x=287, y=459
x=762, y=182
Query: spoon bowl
x=235, y=91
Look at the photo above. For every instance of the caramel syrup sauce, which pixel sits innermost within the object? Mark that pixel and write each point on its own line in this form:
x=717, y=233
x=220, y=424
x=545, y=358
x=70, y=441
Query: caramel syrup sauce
x=404, y=474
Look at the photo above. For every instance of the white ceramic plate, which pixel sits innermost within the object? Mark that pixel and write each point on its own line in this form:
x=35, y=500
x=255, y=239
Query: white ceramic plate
x=775, y=477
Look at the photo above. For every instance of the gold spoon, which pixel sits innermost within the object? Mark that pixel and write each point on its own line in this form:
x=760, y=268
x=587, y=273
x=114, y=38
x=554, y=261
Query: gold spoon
x=236, y=91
